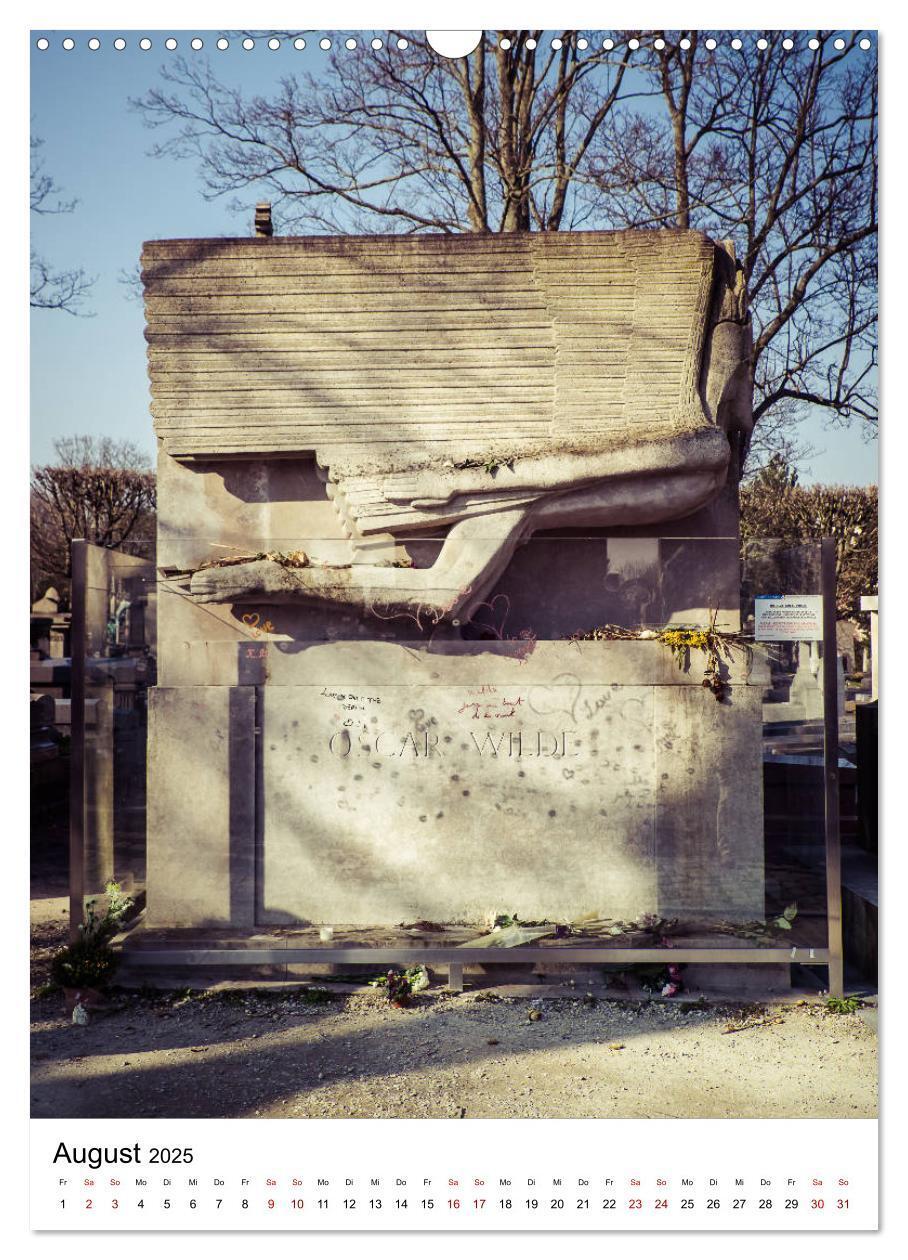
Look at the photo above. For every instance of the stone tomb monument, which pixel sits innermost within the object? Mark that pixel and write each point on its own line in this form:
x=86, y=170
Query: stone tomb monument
x=395, y=476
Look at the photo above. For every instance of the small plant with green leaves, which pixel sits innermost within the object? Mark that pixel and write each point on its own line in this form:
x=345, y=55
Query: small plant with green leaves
x=402, y=985
x=787, y=917
x=842, y=1005
x=89, y=962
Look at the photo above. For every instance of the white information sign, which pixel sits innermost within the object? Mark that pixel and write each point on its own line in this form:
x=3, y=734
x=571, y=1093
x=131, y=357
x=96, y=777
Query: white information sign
x=788, y=617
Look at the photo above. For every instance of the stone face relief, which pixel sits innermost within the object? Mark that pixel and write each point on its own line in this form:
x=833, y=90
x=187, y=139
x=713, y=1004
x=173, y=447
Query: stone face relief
x=478, y=387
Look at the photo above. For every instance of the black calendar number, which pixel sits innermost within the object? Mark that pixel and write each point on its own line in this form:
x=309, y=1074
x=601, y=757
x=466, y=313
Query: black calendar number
x=375, y=1203
x=556, y=1204
x=400, y=1203
x=428, y=1204
x=504, y=1203
x=686, y=1203
x=609, y=1204
x=712, y=1205
x=532, y=1203
x=349, y=1204
x=791, y=1203
x=244, y=1203
x=582, y=1203
x=766, y=1203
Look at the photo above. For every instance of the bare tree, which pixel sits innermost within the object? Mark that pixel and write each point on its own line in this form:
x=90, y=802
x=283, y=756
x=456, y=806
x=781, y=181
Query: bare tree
x=402, y=142
x=98, y=489
x=50, y=287
x=773, y=148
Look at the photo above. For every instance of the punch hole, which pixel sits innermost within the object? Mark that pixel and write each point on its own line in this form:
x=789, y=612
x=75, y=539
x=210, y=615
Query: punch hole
x=274, y=43
x=453, y=43
x=223, y=43
x=248, y=44
x=94, y=43
x=170, y=44
x=299, y=43
x=196, y=43
x=42, y=44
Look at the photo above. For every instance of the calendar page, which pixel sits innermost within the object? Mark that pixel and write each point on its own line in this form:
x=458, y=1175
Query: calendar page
x=454, y=661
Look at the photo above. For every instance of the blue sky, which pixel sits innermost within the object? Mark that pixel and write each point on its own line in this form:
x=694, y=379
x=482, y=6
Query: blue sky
x=88, y=375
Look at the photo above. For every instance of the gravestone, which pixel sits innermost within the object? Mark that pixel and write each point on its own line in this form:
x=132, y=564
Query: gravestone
x=396, y=477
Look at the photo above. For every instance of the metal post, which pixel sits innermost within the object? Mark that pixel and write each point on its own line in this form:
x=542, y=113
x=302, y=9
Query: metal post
x=831, y=770
x=77, y=739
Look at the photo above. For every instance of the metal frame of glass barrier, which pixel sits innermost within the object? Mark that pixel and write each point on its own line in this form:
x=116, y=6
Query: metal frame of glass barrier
x=91, y=566
x=454, y=958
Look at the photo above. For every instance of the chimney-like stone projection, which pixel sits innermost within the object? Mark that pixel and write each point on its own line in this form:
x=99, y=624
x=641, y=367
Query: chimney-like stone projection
x=404, y=484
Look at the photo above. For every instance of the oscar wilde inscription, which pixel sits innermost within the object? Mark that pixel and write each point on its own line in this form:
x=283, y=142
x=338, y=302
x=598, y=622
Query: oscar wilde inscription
x=431, y=800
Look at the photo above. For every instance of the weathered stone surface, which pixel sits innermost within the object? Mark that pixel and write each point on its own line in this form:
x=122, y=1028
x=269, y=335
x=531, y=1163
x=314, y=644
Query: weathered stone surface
x=567, y=379
x=201, y=806
x=482, y=446
x=709, y=804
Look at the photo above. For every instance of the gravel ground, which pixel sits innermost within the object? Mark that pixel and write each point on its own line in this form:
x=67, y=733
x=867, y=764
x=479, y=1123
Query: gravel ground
x=511, y=1052
x=245, y=1054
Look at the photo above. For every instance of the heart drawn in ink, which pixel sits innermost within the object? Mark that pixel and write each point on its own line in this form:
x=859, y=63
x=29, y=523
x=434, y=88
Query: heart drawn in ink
x=496, y=616
x=558, y=696
x=251, y=619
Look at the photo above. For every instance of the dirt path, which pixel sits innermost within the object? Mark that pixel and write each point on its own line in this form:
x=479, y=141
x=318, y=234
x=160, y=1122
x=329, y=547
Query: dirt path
x=498, y=1053
x=243, y=1054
